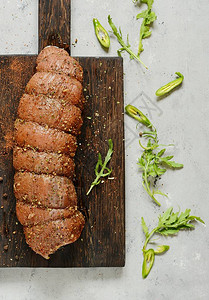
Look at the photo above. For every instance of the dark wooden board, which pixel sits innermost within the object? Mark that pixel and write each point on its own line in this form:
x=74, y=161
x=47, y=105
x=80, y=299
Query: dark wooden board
x=54, y=23
x=103, y=239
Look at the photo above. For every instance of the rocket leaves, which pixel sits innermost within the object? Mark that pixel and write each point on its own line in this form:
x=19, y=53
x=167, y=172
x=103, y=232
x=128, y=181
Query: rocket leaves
x=125, y=45
x=152, y=162
x=148, y=17
x=169, y=223
x=101, y=169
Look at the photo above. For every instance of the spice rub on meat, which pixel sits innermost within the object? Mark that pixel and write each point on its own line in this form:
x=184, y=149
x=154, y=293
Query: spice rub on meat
x=30, y=214
x=61, y=64
x=49, y=119
x=51, y=112
x=47, y=51
x=46, y=239
x=45, y=190
x=43, y=138
x=57, y=86
x=43, y=162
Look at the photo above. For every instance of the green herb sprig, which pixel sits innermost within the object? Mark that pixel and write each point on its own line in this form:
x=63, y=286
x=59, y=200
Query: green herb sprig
x=169, y=224
x=101, y=169
x=152, y=163
x=148, y=17
x=125, y=46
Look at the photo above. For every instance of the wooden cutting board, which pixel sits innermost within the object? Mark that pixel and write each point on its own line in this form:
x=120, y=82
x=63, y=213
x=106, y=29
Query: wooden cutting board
x=102, y=242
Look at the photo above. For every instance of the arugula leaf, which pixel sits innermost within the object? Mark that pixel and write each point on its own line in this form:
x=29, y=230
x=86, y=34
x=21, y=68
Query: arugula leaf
x=165, y=216
x=151, y=162
x=197, y=219
x=148, y=2
x=184, y=215
x=148, y=17
x=101, y=169
x=167, y=232
x=125, y=46
x=169, y=224
x=161, y=152
x=171, y=164
x=171, y=220
x=144, y=226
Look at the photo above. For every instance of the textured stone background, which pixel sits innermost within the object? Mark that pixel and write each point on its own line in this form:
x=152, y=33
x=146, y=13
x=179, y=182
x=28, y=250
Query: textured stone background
x=180, y=42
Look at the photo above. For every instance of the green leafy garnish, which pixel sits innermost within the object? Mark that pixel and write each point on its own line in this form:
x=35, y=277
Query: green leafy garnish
x=101, y=169
x=148, y=17
x=152, y=162
x=170, y=86
x=125, y=46
x=169, y=223
x=101, y=34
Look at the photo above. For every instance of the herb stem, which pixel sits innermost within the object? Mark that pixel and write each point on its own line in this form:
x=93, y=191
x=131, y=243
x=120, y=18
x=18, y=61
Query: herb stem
x=95, y=182
x=146, y=184
x=125, y=46
x=148, y=238
x=145, y=148
x=131, y=52
x=91, y=187
x=140, y=47
x=104, y=171
x=134, y=55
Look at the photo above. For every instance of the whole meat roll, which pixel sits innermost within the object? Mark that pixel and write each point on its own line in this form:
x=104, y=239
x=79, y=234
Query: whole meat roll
x=49, y=119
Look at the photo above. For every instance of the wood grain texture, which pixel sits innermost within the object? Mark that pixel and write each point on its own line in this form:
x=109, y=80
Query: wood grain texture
x=54, y=23
x=102, y=242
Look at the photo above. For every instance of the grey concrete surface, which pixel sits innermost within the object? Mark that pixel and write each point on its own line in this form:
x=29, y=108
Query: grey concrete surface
x=180, y=42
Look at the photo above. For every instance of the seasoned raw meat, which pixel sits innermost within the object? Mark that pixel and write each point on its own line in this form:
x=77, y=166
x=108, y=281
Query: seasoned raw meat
x=45, y=190
x=56, y=86
x=30, y=214
x=61, y=64
x=51, y=50
x=47, y=238
x=49, y=119
x=51, y=112
x=43, y=162
x=29, y=134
